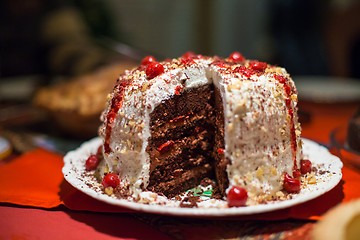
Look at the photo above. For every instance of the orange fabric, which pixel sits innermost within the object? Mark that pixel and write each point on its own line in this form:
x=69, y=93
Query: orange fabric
x=33, y=179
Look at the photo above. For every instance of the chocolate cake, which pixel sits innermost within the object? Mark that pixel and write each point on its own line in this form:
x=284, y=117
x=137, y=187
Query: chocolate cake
x=181, y=142
x=171, y=124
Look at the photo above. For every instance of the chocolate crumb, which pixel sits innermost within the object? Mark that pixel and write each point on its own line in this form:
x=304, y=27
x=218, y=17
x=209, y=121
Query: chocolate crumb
x=189, y=202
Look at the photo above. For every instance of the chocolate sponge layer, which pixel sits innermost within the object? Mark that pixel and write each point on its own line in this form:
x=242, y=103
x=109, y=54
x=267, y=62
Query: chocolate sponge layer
x=186, y=133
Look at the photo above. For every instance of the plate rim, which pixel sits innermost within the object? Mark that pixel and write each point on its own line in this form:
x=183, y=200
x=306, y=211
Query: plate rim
x=92, y=145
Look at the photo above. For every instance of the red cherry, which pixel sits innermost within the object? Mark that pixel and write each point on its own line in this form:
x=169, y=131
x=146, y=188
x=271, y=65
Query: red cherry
x=92, y=162
x=221, y=150
x=189, y=54
x=237, y=197
x=154, y=69
x=291, y=185
x=110, y=180
x=147, y=60
x=247, y=72
x=187, y=60
x=305, y=166
x=221, y=65
x=236, y=57
x=258, y=66
x=178, y=90
x=296, y=173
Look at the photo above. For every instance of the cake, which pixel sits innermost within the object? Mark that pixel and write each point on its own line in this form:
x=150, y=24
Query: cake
x=353, y=132
x=169, y=126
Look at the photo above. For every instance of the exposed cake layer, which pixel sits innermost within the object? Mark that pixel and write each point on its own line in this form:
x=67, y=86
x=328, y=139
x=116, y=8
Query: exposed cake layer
x=181, y=142
x=257, y=136
x=182, y=115
x=220, y=162
x=183, y=168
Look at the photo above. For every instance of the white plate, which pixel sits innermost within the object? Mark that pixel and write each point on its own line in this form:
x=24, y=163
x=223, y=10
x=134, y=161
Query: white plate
x=327, y=89
x=328, y=164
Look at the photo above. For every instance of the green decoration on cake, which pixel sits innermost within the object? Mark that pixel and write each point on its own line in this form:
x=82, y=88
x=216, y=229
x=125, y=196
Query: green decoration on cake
x=199, y=191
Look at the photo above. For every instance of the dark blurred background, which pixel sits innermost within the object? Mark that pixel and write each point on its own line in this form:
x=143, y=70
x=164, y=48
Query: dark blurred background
x=44, y=43
x=54, y=36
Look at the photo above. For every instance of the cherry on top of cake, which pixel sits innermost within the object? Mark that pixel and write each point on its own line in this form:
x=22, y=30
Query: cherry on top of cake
x=235, y=64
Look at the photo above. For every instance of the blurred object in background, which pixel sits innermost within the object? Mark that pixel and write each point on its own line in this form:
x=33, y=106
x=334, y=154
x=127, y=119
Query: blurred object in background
x=170, y=28
x=61, y=115
x=53, y=37
x=324, y=89
x=15, y=115
x=65, y=37
x=20, y=45
x=297, y=31
x=5, y=148
x=23, y=141
x=75, y=105
x=339, y=223
x=293, y=34
x=241, y=25
x=162, y=28
x=20, y=88
x=56, y=46
x=342, y=31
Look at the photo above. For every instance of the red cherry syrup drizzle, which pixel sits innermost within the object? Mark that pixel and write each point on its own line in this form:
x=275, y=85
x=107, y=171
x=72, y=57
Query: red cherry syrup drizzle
x=165, y=147
x=116, y=104
x=290, y=110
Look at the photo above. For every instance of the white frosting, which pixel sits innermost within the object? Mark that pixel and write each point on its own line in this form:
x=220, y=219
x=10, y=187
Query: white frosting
x=257, y=125
x=257, y=132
